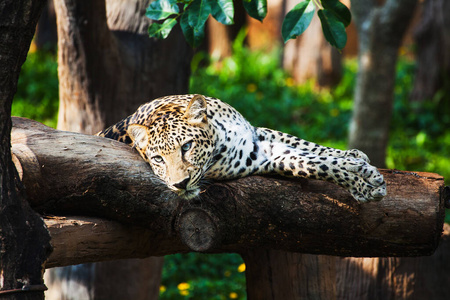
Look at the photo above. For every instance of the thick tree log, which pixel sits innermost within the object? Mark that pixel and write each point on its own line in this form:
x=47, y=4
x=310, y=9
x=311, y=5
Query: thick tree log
x=74, y=174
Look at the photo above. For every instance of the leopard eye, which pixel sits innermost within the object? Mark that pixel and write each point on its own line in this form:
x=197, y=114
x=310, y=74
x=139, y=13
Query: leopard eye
x=186, y=147
x=157, y=159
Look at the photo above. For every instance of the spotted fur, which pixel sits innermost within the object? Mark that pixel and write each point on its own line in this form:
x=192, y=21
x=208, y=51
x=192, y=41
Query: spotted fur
x=188, y=138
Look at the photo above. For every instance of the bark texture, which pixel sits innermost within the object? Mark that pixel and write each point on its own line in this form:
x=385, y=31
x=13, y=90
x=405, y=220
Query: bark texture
x=276, y=274
x=380, y=31
x=25, y=242
x=432, y=39
x=108, y=65
x=395, y=278
x=307, y=216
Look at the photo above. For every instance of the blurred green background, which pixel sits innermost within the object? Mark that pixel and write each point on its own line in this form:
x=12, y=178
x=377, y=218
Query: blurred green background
x=254, y=84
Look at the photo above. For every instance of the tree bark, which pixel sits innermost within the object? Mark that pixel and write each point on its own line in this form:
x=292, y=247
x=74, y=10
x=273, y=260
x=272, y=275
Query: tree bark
x=432, y=39
x=46, y=37
x=25, y=242
x=108, y=66
x=310, y=56
x=389, y=278
x=290, y=275
x=306, y=216
x=220, y=37
x=380, y=30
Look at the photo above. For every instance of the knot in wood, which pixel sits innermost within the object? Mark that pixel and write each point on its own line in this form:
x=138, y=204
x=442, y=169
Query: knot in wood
x=198, y=229
x=218, y=192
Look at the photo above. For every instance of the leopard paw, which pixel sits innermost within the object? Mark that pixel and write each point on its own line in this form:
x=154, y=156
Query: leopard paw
x=355, y=153
x=364, y=181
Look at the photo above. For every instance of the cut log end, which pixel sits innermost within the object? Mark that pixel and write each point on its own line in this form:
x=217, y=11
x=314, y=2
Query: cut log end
x=198, y=230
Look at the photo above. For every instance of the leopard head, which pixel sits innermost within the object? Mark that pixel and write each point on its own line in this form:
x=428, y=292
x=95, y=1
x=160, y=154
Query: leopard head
x=177, y=142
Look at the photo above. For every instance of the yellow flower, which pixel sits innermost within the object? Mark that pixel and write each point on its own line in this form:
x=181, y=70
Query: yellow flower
x=162, y=289
x=233, y=295
x=184, y=292
x=227, y=273
x=334, y=112
x=241, y=268
x=183, y=286
x=290, y=81
x=251, y=87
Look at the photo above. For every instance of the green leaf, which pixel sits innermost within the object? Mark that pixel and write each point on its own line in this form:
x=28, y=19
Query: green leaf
x=333, y=29
x=161, y=31
x=297, y=20
x=223, y=11
x=339, y=10
x=256, y=9
x=161, y=9
x=198, y=13
x=193, y=36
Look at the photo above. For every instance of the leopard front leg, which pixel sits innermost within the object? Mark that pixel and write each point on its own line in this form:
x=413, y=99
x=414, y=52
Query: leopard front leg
x=361, y=179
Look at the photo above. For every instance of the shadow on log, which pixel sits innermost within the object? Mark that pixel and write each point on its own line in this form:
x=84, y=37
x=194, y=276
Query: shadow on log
x=74, y=174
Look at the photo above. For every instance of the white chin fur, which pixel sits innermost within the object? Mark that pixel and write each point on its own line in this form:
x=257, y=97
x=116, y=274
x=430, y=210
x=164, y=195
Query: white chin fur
x=188, y=194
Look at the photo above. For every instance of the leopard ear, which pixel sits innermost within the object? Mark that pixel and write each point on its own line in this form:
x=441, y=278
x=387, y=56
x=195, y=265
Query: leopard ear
x=138, y=135
x=196, y=110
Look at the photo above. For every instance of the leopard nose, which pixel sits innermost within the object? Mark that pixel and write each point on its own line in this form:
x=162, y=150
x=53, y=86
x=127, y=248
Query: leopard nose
x=182, y=184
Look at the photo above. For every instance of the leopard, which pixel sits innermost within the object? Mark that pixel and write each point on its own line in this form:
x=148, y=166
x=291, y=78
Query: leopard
x=190, y=140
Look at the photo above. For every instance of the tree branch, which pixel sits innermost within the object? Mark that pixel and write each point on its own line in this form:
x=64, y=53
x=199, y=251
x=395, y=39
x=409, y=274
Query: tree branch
x=68, y=174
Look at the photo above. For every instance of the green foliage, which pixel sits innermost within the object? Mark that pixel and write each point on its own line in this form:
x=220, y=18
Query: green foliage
x=339, y=10
x=159, y=10
x=162, y=31
x=223, y=11
x=334, y=17
x=37, y=90
x=203, y=276
x=333, y=29
x=297, y=20
x=257, y=9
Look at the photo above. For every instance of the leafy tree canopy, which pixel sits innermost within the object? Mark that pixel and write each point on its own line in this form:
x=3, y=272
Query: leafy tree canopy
x=192, y=16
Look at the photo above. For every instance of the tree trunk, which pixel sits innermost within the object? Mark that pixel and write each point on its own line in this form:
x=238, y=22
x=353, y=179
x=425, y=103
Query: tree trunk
x=394, y=278
x=46, y=37
x=274, y=274
x=380, y=30
x=310, y=56
x=25, y=242
x=108, y=66
x=220, y=37
x=266, y=35
x=70, y=173
x=432, y=39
